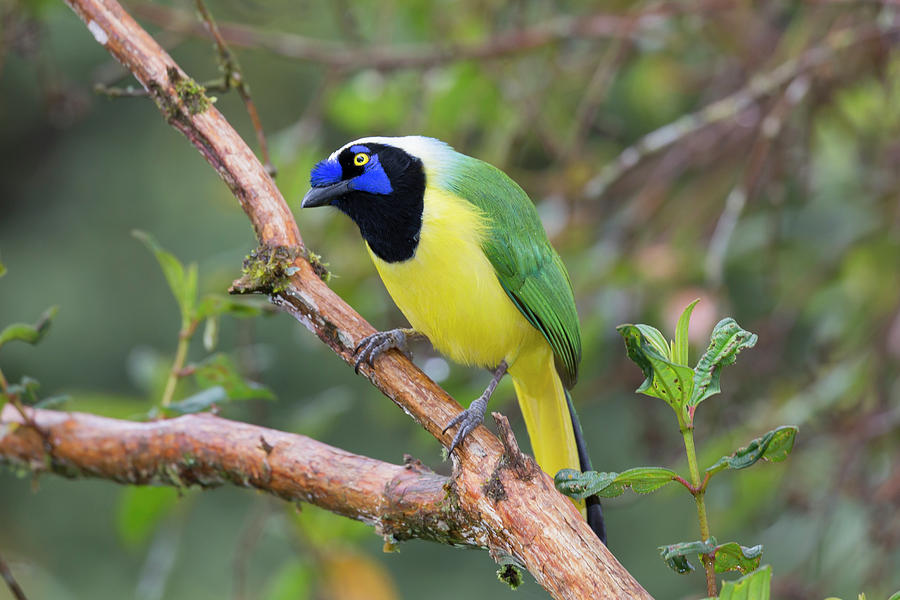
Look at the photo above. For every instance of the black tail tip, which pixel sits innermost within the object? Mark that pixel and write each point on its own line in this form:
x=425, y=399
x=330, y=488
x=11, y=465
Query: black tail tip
x=595, y=518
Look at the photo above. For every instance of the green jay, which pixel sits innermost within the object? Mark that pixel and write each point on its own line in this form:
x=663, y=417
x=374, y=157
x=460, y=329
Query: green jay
x=462, y=252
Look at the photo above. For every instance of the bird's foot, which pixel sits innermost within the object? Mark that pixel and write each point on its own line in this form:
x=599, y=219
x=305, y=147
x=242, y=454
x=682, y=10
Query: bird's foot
x=468, y=420
x=473, y=416
x=373, y=346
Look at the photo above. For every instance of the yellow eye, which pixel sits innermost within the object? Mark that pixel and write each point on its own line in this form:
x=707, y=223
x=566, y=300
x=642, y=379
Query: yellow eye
x=360, y=159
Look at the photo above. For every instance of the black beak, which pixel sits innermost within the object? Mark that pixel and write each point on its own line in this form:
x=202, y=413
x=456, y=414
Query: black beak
x=320, y=196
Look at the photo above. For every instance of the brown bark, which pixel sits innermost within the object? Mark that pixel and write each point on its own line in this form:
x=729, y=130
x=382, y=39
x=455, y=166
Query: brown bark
x=401, y=501
x=515, y=510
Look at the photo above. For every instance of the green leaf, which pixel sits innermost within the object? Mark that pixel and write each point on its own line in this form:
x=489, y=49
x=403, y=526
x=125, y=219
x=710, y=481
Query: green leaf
x=26, y=389
x=676, y=555
x=680, y=347
x=754, y=586
x=30, y=334
x=895, y=596
x=656, y=339
x=183, y=284
x=641, y=480
x=2, y=269
x=734, y=557
x=140, y=509
x=219, y=370
x=53, y=401
x=773, y=447
x=726, y=341
x=664, y=379
x=199, y=402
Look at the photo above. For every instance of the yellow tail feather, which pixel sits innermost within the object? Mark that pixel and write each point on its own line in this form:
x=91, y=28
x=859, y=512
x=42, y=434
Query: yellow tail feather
x=543, y=403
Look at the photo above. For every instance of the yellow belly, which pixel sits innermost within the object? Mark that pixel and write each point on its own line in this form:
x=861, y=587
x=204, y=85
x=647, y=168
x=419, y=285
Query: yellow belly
x=448, y=290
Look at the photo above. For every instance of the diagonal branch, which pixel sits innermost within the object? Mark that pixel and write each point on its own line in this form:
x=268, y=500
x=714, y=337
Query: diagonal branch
x=521, y=516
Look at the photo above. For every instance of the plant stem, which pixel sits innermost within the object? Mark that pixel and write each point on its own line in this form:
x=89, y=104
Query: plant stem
x=699, y=493
x=184, y=339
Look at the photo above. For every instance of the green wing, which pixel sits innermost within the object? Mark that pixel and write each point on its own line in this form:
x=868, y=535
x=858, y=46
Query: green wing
x=528, y=267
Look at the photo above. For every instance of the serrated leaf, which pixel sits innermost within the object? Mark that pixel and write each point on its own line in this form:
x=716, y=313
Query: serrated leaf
x=199, y=402
x=641, y=480
x=182, y=284
x=219, y=370
x=676, y=555
x=30, y=334
x=726, y=341
x=664, y=379
x=773, y=446
x=140, y=509
x=755, y=586
x=680, y=346
x=734, y=557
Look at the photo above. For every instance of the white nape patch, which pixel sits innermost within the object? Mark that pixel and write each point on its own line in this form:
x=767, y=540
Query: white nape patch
x=99, y=34
x=424, y=148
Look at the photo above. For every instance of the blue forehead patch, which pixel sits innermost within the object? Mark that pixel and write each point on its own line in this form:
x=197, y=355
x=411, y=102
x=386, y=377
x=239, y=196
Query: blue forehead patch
x=325, y=172
x=358, y=149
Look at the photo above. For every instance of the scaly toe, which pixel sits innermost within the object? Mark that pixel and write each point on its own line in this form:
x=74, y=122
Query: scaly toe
x=373, y=346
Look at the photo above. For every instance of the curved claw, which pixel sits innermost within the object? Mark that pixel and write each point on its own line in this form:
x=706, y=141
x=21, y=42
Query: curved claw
x=373, y=346
x=468, y=420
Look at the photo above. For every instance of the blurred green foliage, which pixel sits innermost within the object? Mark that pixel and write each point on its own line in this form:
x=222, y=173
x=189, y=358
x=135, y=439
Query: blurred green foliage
x=782, y=213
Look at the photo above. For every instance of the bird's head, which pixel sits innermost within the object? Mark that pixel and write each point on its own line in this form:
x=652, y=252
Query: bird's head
x=361, y=170
x=380, y=184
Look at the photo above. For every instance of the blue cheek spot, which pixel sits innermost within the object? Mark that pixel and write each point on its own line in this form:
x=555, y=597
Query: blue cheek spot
x=373, y=179
x=325, y=172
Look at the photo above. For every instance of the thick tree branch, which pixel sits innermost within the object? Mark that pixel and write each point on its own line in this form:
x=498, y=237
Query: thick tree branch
x=520, y=515
x=401, y=501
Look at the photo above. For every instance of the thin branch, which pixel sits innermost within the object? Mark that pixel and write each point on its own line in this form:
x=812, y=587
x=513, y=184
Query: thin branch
x=339, y=54
x=14, y=588
x=234, y=78
x=524, y=518
x=760, y=86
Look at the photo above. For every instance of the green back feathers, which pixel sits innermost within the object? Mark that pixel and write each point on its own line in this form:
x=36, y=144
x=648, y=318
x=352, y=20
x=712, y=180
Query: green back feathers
x=528, y=267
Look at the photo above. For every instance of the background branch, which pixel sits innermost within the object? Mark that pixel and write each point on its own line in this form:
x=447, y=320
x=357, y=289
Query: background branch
x=395, y=57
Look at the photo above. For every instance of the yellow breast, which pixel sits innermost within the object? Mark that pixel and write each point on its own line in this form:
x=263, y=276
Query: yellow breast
x=448, y=290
